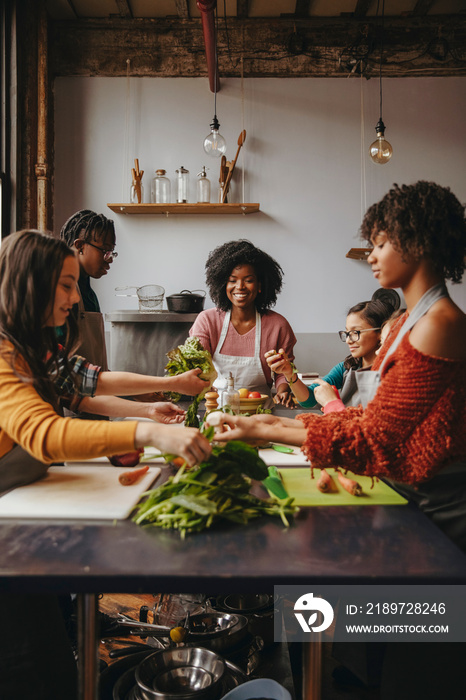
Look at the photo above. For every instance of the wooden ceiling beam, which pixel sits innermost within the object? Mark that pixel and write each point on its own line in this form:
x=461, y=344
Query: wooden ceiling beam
x=172, y=47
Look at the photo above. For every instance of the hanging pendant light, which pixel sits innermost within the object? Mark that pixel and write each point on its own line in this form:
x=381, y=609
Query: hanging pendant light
x=214, y=144
x=380, y=150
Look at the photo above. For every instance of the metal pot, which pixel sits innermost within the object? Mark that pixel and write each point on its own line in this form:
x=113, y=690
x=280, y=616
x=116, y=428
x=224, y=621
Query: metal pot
x=186, y=302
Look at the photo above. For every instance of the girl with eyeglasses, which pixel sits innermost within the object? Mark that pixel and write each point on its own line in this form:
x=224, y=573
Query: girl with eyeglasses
x=362, y=335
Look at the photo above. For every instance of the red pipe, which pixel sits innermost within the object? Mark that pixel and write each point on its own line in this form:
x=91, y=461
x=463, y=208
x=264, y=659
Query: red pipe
x=207, y=8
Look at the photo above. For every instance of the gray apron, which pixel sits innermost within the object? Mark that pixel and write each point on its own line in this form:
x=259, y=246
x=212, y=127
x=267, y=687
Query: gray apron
x=349, y=392
x=18, y=468
x=443, y=497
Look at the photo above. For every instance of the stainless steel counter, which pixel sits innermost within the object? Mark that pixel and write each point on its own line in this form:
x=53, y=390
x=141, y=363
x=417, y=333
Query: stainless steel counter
x=139, y=340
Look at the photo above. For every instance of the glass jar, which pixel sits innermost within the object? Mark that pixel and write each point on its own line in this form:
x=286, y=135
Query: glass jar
x=160, y=188
x=182, y=185
x=137, y=193
x=203, y=187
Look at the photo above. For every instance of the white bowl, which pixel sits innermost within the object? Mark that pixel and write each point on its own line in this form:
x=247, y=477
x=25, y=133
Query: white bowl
x=258, y=688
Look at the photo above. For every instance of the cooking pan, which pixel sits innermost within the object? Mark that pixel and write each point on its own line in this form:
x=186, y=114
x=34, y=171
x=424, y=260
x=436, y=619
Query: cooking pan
x=186, y=302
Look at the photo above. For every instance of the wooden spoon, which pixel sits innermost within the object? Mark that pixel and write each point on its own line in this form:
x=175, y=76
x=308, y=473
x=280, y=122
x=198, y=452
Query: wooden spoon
x=241, y=140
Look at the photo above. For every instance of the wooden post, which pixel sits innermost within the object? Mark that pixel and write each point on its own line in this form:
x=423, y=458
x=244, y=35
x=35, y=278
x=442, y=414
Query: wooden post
x=42, y=167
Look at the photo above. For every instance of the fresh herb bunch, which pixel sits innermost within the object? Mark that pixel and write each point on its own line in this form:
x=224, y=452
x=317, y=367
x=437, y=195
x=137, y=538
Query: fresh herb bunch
x=188, y=356
x=216, y=490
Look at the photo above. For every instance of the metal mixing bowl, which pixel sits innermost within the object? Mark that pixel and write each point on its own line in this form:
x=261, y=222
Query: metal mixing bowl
x=184, y=673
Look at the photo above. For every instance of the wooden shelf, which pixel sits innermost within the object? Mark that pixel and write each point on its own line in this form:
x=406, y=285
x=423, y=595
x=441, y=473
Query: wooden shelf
x=359, y=253
x=167, y=209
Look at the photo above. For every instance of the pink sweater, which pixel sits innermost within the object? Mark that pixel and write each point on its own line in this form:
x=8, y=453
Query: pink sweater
x=276, y=333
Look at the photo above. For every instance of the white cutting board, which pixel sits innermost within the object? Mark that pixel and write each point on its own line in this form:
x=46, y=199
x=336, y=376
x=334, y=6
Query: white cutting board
x=80, y=490
x=281, y=459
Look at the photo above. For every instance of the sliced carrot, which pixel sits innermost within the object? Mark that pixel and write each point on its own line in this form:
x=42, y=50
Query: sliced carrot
x=130, y=477
x=325, y=483
x=350, y=485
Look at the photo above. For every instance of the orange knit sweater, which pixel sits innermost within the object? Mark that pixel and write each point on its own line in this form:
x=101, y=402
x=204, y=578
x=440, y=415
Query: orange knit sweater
x=415, y=425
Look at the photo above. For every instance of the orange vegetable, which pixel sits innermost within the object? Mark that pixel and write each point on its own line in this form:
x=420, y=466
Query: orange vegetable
x=325, y=483
x=350, y=485
x=130, y=477
x=178, y=461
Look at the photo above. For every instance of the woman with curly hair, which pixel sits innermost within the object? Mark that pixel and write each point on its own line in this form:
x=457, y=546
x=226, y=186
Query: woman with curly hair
x=412, y=430
x=243, y=283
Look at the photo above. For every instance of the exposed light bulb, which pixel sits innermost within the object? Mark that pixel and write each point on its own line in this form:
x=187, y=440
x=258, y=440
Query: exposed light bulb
x=380, y=151
x=214, y=144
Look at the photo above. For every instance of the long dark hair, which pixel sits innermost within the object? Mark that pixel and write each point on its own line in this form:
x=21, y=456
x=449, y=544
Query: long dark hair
x=226, y=257
x=30, y=266
x=375, y=312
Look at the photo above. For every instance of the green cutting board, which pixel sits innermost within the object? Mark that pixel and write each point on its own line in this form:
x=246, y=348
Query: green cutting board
x=304, y=490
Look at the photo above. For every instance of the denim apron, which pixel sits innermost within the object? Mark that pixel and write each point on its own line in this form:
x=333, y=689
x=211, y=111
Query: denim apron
x=443, y=497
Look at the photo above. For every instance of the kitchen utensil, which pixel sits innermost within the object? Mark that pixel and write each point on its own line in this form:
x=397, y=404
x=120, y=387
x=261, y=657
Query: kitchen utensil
x=241, y=140
x=278, y=448
x=274, y=484
x=150, y=296
x=137, y=177
x=186, y=302
x=305, y=492
x=193, y=671
x=81, y=490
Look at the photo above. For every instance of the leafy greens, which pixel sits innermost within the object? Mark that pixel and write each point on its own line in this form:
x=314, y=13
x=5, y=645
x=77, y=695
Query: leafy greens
x=188, y=356
x=216, y=490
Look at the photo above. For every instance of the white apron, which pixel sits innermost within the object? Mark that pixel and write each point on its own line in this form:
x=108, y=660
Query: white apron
x=247, y=371
x=443, y=497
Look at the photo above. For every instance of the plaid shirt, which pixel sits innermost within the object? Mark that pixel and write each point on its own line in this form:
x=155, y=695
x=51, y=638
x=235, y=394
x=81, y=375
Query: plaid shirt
x=80, y=381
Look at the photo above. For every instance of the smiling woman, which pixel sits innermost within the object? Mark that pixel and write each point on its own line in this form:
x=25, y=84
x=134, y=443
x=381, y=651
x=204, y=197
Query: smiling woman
x=244, y=283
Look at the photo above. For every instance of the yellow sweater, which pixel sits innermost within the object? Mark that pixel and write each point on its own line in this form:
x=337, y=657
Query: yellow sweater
x=29, y=421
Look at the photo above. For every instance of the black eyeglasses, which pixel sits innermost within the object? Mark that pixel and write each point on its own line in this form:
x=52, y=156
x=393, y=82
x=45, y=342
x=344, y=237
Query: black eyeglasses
x=354, y=335
x=108, y=254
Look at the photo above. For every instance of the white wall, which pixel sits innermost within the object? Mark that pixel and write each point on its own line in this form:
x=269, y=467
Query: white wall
x=302, y=162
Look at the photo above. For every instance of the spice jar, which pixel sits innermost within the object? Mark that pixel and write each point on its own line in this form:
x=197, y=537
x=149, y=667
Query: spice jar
x=160, y=188
x=182, y=185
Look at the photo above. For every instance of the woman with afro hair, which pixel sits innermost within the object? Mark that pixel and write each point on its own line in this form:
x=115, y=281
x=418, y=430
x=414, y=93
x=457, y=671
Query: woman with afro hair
x=243, y=283
x=412, y=430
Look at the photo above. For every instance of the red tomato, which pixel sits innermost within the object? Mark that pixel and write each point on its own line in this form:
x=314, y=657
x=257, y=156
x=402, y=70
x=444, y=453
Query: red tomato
x=254, y=395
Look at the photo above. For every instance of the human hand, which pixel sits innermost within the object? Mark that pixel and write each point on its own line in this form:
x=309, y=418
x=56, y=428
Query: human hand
x=165, y=412
x=284, y=397
x=189, y=382
x=252, y=429
x=279, y=362
x=324, y=393
x=187, y=443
